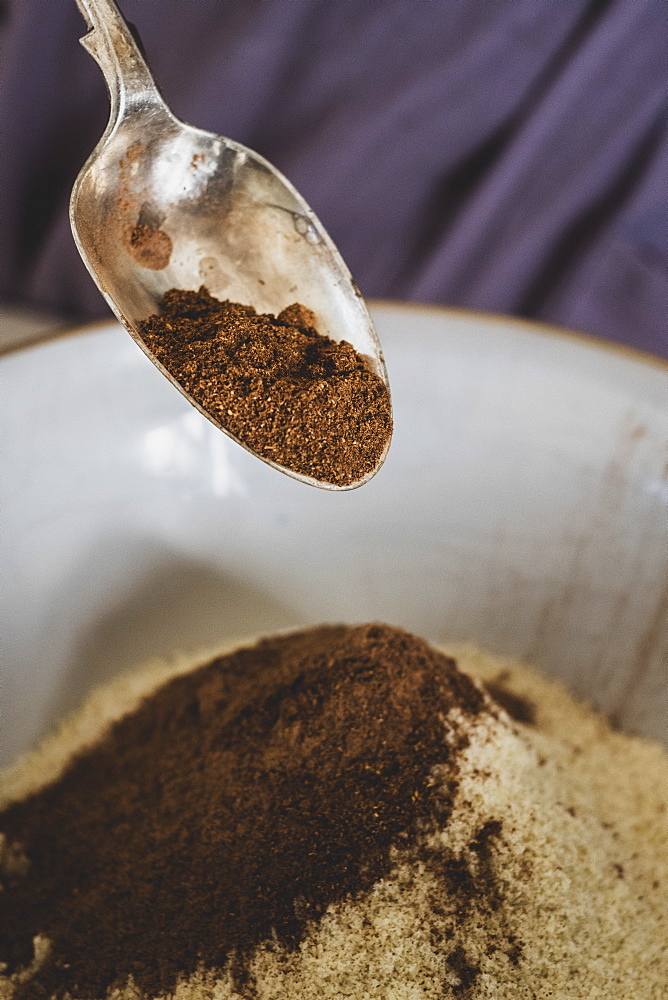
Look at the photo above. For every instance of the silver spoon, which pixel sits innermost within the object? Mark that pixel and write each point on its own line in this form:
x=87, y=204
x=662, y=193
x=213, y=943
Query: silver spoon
x=160, y=204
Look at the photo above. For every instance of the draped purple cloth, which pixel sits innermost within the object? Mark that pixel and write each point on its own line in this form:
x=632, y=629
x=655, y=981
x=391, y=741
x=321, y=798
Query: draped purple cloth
x=509, y=156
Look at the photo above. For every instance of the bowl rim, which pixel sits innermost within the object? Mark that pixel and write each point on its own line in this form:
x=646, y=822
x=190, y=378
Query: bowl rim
x=62, y=331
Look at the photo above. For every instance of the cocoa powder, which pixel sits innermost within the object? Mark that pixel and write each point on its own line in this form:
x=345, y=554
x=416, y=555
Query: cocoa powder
x=288, y=393
x=152, y=248
x=518, y=708
x=233, y=806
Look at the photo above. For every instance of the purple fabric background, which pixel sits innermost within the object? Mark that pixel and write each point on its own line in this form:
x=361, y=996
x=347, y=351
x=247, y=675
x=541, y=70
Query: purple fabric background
x=507, y=156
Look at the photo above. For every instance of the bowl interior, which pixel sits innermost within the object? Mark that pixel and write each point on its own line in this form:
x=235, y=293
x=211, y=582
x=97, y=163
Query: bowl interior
x=522, y=506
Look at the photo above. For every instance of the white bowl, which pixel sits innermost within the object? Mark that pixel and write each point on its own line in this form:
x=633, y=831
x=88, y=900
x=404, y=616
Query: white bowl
x=523, y=506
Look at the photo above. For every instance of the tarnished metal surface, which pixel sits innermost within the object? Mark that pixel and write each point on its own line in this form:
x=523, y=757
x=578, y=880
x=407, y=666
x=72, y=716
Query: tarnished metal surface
x=160, y=204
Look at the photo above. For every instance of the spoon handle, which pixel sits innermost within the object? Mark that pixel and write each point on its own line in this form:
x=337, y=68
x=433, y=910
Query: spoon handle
x=110, y=42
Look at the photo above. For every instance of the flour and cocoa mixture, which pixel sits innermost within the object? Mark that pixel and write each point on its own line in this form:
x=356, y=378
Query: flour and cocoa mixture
x=290, y=394
x=337, y=812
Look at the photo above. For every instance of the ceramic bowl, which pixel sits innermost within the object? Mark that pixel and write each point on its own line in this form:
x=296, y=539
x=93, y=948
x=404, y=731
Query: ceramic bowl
x=522, y=506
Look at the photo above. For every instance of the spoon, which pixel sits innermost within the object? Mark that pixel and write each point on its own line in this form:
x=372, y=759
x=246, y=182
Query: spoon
x=160, y=204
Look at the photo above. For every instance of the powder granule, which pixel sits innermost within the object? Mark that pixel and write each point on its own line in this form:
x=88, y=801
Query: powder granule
x=563, y=823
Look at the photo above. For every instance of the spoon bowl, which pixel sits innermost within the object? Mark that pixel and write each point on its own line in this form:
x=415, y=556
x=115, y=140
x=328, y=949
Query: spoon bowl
x=160, y=204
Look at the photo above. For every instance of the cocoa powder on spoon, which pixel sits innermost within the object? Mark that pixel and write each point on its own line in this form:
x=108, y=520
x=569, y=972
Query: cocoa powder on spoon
x=288, y=393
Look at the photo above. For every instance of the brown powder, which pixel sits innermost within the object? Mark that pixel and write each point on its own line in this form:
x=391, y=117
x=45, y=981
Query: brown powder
x=290, y=394
x=470, y=884
x=519, y=709
x=152, y=248
x=467, y=971
x=233, y=806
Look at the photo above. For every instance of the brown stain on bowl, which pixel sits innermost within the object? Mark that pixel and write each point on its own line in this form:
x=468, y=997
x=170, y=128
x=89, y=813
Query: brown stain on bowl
x=601, y=531
x=152, y=248
x=648, y=645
